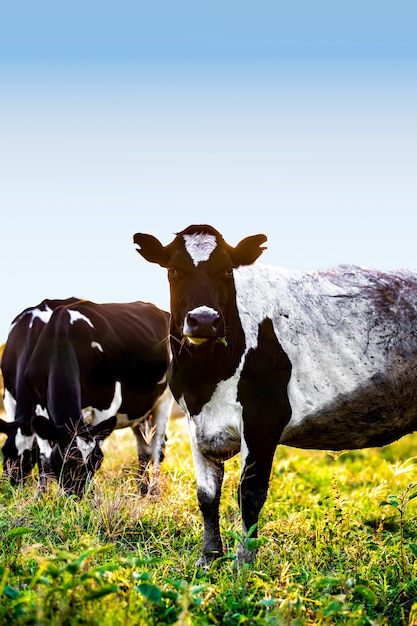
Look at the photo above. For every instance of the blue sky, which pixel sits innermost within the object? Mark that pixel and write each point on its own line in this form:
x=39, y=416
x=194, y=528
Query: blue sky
x=297, y=119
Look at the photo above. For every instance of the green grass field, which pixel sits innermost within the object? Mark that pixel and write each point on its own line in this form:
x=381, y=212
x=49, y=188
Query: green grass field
x=330, y=552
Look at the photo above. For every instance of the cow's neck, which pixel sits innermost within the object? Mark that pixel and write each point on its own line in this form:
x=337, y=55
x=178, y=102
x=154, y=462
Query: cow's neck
x=196, y=370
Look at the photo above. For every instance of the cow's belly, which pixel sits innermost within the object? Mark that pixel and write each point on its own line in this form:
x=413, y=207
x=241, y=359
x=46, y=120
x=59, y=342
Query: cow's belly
x=123, y=420
x=347, y=398
x=218, y=427
x=374, y=414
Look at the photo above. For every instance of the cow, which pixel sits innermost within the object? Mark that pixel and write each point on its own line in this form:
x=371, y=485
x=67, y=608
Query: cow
x=20, y=450
x=263, y=356
x=91, y=368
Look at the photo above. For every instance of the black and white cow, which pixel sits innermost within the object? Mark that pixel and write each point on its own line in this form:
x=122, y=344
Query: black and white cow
x=20, y=449
x=263, y=355
x=90, y=368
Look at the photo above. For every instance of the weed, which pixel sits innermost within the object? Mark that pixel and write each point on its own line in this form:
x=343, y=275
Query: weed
x=400, y=503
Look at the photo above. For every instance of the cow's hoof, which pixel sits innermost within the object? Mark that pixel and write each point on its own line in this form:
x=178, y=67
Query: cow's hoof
x=244, y=555
x=155, y=491
x=208, y=558
x=143, y=487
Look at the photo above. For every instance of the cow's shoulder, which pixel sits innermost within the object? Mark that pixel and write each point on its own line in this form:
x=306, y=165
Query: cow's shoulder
x=124, y=320
x=262, y=387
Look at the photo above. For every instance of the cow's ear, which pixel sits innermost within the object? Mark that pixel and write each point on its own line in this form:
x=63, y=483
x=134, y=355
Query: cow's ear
x=104, y=428
x=151, y=249
x=44, y=428
x=5, y=427
x=248, y=250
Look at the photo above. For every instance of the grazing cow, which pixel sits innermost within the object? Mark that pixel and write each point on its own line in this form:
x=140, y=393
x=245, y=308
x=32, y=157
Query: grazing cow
x=263, y=355
x=88, y=363
x=20, y=449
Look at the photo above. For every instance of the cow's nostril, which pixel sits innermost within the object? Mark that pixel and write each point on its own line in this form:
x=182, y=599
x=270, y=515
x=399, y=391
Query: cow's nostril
x=192, y=321
x=202, y=322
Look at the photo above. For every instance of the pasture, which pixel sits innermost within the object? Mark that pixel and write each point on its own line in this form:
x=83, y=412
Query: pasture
x=331, y=551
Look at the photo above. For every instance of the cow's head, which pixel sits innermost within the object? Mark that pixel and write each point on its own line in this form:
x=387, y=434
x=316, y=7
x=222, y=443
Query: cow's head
x=200, y=270
x=76, y=452
x=19, y=451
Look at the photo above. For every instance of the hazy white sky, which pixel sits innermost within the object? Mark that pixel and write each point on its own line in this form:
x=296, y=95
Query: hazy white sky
x=252, y=117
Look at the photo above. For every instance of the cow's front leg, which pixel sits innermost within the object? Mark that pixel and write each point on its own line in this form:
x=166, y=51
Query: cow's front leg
x=209, y=476
x=209, y=486
x=253, y=489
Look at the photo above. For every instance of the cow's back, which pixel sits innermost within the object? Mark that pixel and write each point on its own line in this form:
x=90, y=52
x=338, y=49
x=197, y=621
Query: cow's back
x=134, y=335
x=87, y=347
x=21, y=340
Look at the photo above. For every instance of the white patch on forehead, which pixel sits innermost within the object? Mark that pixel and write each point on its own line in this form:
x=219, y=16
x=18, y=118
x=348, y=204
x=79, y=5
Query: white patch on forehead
x=85, y=447
x=23, y=442
x=76, y=316
x=97, y=345
x=199, y=246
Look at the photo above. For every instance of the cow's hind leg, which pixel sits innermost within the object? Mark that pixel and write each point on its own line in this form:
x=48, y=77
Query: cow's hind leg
x=160, y=415
x=45, y=474
x=143, y=434
x=150, y=440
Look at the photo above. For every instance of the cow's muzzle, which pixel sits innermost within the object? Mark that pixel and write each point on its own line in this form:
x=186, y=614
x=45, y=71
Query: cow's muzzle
x=202, y=324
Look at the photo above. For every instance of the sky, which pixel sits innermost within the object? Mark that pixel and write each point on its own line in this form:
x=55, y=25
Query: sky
x=293, y=119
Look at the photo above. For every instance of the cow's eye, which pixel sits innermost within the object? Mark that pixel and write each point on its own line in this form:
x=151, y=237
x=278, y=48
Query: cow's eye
x=225, y=273
x=172, y=272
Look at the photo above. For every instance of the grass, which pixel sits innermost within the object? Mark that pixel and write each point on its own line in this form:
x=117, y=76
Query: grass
x=338, y=535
